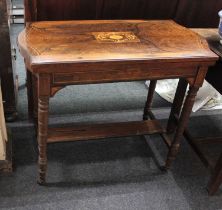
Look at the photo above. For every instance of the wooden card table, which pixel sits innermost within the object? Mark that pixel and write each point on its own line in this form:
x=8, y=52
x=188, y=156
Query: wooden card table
x=65, y=53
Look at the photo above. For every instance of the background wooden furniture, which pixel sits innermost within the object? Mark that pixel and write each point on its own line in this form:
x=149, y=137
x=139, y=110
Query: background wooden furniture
x=186, y=12
x=7, y=67
x=198, y=13
x=99, y=9
x=5, y=156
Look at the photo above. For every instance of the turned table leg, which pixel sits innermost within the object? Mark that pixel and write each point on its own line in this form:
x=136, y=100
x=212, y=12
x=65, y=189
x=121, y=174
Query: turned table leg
x=177, y=105
x=183, y=120
x=43, y=111
x=149, y=100
x=216, y=179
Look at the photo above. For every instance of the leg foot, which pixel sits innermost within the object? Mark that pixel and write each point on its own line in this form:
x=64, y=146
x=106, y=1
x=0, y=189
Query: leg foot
x=216, y=179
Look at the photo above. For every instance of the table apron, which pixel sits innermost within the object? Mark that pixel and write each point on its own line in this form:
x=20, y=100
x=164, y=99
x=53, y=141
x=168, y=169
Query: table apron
x=133, y=74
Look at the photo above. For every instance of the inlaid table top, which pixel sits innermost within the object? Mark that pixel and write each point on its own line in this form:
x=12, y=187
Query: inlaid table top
x=107, y=40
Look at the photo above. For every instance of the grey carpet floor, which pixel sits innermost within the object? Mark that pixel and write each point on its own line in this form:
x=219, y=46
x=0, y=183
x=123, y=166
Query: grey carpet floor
x=121, y=173
x=108, y=174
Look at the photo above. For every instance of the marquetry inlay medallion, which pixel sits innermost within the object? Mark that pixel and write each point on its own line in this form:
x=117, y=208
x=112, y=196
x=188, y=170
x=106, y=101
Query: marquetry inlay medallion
x=116, y=37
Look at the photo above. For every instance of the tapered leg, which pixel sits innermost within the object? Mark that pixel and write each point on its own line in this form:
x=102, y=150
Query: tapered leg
x=43, y=111
x=177, y=104
x=216, y=179
x=183, y=120
x=149, y=100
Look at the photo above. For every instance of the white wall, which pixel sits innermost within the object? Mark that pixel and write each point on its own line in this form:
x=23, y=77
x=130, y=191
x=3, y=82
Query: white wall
x=3, y=133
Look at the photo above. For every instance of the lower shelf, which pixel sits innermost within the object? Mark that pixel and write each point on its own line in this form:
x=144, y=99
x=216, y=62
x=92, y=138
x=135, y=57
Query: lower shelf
x=100, y=131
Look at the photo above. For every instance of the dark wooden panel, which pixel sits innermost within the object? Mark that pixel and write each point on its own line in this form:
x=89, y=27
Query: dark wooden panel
x=136, y=9
x=99, y=9
x=160, y=9
x=198, y=13
x=86, y=132
x=112, y=9
x=133, y=9
x=30, y=10
x=67, y=10
x=6, y=70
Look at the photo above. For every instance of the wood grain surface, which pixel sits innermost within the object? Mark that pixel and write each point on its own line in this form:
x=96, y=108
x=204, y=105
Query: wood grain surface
x=100, y=131
x=75, y=42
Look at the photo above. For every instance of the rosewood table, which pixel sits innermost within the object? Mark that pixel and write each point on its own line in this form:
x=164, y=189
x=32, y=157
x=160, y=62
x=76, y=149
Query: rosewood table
x=61, y=53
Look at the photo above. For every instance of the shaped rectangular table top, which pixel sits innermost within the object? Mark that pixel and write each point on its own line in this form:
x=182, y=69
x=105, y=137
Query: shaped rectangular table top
x=52, y=42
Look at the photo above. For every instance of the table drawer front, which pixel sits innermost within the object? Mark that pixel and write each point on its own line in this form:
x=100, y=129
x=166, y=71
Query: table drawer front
x=123, y=75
